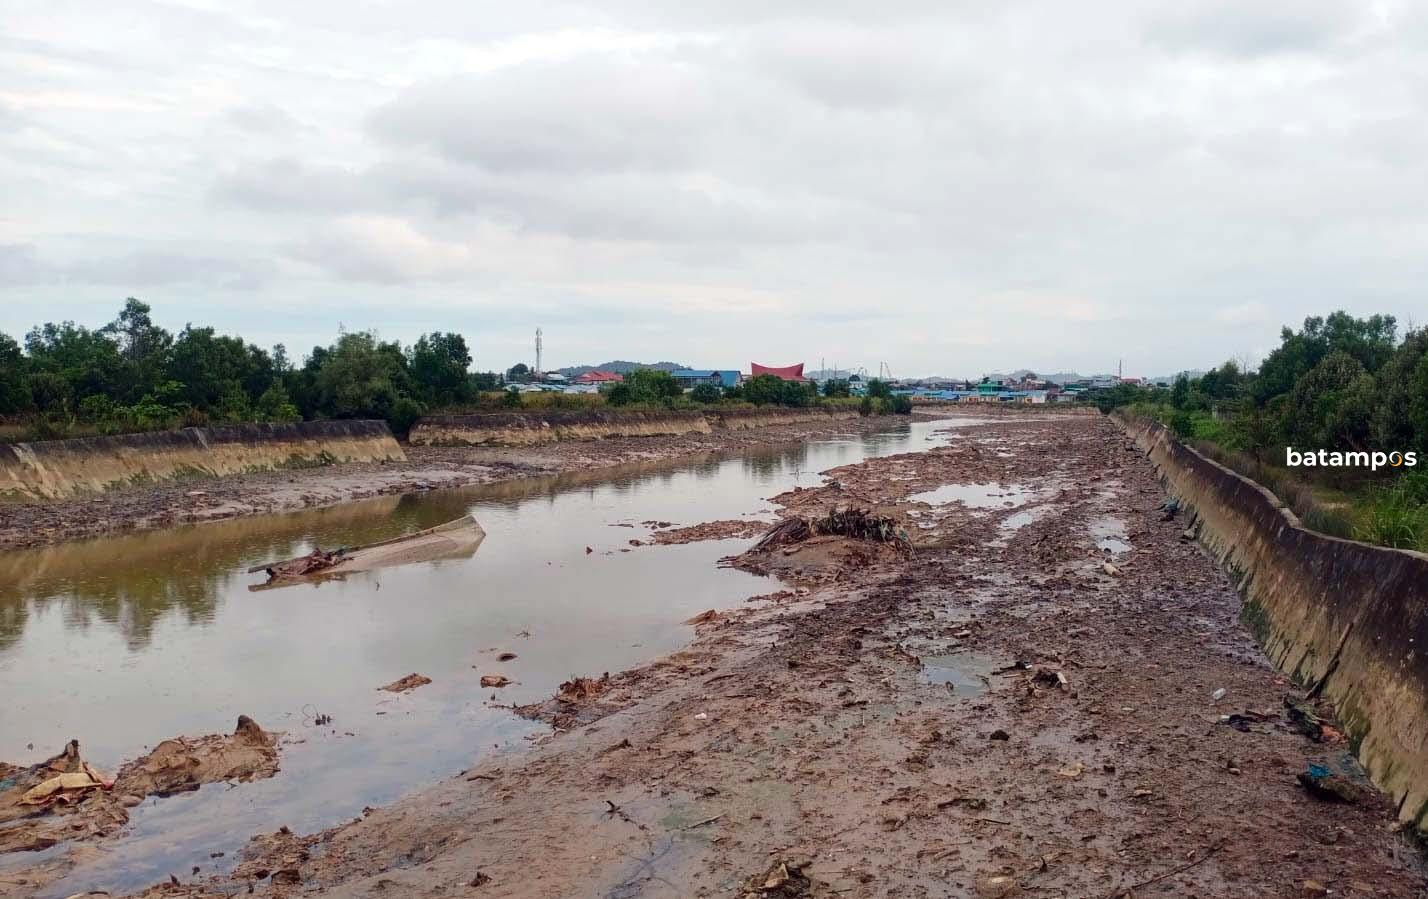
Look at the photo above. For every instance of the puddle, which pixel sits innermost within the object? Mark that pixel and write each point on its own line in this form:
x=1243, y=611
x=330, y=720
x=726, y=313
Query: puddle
x=125, y=641
x=1110, y=535
x=965, y=673
x=1018, y=520
x=976, y=496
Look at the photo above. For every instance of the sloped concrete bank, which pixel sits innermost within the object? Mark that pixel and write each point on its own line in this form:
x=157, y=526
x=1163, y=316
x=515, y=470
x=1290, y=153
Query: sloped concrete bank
x=60, y=469
x=1347, y=620
x=532, y=429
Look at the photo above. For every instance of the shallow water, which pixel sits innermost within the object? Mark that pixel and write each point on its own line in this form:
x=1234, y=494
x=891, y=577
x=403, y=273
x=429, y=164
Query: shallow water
x=125, y=641
x=965, y=673
x=977, y=496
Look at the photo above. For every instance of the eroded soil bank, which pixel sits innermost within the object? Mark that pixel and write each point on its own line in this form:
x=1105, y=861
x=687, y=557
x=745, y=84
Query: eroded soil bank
x=148, y=506
x=1049, y=695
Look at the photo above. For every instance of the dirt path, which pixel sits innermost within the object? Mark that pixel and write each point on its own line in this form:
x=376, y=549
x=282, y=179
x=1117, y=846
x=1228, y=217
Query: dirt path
x=210, y=499
x=809, y=744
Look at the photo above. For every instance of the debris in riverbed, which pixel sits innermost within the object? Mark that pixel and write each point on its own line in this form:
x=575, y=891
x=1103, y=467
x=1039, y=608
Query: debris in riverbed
x=180, y=765
x=785, y=877
x=856, y=523
x=313, y=562
x=729, y=529
x=64, y=788
x=494, y=680
x=1304, y=719
x=1323, y=783
x=408, y=683
x=579, y=689
x=506, y=657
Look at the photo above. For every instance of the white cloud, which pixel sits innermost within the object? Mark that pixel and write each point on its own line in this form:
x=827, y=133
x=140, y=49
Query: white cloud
x=667, y=179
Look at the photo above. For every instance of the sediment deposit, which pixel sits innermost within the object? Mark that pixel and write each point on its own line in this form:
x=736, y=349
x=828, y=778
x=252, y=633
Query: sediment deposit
x=61, y=469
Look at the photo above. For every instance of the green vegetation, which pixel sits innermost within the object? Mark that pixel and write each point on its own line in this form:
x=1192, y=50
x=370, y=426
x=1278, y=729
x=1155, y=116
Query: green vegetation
x=1339, y=383
x=132, y=375
x=646, y=387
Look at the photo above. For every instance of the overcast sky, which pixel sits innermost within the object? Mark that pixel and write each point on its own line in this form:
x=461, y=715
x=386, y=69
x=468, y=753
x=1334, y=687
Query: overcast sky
x=945, y=185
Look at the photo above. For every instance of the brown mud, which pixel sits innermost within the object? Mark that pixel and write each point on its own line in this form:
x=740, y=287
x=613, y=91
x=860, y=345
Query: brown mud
x=1050, y=695
x=64, y=798
x=148, y=506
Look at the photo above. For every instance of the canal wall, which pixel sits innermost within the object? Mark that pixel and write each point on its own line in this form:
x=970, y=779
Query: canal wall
x=58, y=469
x=1347, y=620
x=534, y=428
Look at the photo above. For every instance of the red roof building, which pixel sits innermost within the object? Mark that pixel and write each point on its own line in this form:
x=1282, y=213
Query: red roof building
x=600, y=377
x=785, y=372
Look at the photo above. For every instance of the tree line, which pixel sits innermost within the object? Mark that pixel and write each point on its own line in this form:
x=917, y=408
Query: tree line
x=132, y=374
x=1338, y=383
x=651, y=387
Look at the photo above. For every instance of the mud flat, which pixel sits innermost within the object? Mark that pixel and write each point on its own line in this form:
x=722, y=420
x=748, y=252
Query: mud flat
x=145, y=505
x=1049, y=693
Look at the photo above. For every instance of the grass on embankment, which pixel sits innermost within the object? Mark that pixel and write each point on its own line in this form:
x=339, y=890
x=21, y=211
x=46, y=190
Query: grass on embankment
x=1386, y=508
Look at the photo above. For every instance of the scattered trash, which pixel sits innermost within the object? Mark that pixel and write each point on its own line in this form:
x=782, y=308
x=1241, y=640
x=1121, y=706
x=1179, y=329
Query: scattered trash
x=1072, y=771
x=1170, y=508
x=1110, y=569
x=406, y=684
x=1304, y=719
x=506, y=657
x=1322, y=783
x=494, y=680
x=1219, y=694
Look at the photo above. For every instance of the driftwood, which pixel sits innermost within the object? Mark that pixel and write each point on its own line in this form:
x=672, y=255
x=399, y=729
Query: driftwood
x=859, y=524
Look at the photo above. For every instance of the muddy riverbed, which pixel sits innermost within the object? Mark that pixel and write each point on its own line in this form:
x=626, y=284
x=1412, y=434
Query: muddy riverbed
x=1043, y=690
x=124, y=641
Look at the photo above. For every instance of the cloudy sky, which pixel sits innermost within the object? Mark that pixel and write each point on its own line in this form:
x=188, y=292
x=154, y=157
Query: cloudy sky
x=945, y=185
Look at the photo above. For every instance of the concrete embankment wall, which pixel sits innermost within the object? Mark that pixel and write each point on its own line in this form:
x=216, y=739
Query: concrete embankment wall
x=56, y=469
x=532, y=428
x=1347, y=620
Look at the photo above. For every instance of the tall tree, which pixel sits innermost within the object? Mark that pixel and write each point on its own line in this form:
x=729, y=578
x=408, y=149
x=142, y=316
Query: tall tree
x=14, y=381
x=439, y=363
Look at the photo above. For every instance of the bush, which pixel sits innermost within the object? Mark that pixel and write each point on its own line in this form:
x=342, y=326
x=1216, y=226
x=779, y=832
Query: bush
x=646, y=386
x=405, y=412
x=706, y=393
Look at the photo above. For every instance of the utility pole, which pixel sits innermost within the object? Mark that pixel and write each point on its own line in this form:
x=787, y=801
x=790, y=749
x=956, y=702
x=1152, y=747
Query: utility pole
x=539, y=347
